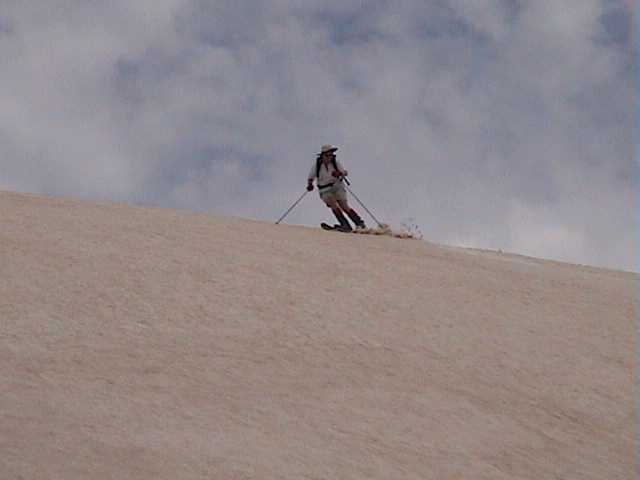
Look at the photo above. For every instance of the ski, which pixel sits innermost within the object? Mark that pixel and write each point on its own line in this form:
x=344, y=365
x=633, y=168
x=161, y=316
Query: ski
x=326, y=226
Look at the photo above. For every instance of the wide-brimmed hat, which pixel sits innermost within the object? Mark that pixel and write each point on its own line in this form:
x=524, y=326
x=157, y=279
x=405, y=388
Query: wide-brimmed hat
x=327, y=148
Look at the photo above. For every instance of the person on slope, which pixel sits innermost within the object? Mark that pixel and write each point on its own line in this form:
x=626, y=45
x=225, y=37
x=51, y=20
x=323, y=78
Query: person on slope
x=329, y=172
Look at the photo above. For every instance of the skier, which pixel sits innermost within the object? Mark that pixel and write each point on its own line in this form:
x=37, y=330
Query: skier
x=329, y=172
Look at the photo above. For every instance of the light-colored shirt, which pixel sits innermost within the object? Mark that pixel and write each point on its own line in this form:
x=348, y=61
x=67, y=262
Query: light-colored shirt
x=325, y=177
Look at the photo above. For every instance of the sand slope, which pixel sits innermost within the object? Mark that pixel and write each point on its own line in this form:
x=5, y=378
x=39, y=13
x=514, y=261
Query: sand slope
x=154, y=344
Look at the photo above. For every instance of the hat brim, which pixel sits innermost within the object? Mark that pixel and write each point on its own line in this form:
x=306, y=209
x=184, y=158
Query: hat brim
x=334, y=149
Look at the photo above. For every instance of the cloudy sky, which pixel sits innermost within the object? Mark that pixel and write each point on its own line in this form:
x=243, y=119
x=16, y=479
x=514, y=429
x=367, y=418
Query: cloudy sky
x=501, y=124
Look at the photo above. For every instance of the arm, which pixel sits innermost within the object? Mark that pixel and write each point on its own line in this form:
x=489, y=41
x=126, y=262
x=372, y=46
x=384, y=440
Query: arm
x=311, y=178
x=312, y=173
x=342, y=172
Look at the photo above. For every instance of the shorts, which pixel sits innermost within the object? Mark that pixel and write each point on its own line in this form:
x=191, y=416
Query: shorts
x=335, y=192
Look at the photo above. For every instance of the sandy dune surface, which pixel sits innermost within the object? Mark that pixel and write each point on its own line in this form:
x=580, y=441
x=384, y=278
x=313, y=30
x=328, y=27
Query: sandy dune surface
x=142, y=343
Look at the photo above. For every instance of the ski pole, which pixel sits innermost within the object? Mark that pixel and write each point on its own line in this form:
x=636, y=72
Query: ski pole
x=363, y=206
x=291, y=208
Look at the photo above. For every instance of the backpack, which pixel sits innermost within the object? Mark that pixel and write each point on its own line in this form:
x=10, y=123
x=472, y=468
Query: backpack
x=319, y=163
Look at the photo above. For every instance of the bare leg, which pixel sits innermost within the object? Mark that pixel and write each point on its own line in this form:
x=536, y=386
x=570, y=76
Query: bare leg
x=334, y=205
x=344, y=205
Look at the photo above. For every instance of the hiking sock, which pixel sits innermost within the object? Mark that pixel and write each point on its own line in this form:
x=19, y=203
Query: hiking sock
x=344, y=223
x=355, y=218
